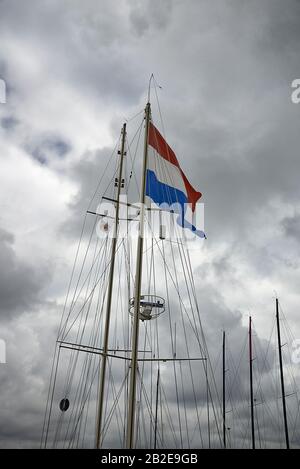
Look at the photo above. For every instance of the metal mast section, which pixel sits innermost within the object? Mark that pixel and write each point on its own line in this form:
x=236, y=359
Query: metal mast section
x=251, y=383
x=224, y=392
x=282, y=378
x=103, y=364
x=137, y=295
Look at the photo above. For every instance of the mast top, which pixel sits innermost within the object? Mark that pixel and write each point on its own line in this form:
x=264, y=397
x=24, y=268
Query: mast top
x=149, y=88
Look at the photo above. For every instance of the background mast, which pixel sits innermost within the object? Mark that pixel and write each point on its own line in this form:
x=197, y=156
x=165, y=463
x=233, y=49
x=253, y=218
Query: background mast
x=251, y=383
x=282, y=378
x=224, y=393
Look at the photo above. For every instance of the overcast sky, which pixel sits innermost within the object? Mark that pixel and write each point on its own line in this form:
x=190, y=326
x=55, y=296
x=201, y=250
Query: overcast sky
x=74, y=70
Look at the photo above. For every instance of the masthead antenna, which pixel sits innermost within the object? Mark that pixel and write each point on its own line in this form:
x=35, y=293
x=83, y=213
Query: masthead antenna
x=149, y=86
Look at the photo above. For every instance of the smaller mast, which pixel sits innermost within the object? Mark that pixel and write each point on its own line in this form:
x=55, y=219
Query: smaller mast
x=207, y=405
x=156, y=410
x=224, y=394
x=282, y=378
x=251, y=383
x=109, y=299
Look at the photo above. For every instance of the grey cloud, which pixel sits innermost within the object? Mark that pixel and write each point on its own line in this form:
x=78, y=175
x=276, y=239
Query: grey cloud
x=291, y=226
x=9, y=123
x=77, y=34
x=144, y=15
x=87, y=173
x=20, y=283
x=46, y=148
x=226, y=70
x=30, y=342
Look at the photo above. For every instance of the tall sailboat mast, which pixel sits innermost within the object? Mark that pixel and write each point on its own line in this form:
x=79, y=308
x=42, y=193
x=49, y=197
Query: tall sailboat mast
x=109, y=297
x=282, y=377
x=251, y=383
x=224, y=393
x=137, y=294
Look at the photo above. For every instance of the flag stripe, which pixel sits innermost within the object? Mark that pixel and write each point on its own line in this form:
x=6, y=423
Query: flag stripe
x=165, y=171
x=156, y=140
x=163, y=193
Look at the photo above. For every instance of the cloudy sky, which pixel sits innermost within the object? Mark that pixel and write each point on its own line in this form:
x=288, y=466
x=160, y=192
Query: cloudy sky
x=74, y=70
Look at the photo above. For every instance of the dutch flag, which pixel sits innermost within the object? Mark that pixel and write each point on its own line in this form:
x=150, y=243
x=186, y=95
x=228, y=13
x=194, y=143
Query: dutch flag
x=166, y=184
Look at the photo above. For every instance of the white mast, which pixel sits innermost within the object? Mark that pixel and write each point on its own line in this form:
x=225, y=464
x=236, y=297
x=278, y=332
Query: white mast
x=109, y=300
x=137, y=295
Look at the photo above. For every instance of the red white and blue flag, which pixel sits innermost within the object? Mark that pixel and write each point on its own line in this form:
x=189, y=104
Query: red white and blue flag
x=166, y=183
